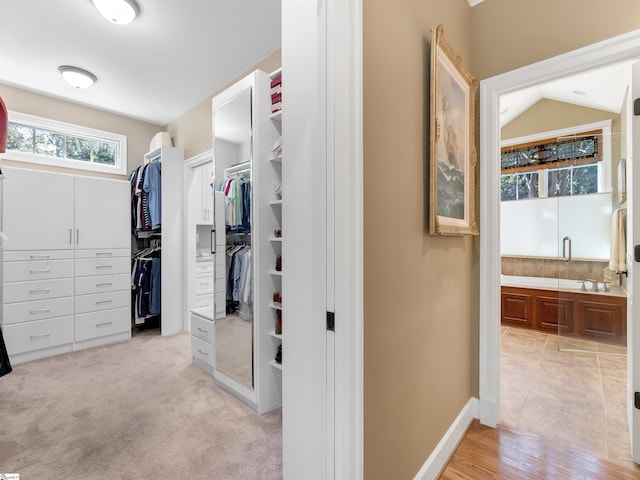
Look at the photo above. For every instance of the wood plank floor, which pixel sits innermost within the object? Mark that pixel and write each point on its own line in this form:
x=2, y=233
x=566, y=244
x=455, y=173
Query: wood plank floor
x=505, y=453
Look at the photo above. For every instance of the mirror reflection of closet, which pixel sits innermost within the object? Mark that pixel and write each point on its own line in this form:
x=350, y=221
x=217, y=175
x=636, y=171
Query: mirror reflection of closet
x=232, y=126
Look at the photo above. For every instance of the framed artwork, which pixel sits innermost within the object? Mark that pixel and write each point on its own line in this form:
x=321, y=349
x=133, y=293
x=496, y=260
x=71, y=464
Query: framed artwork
x=452, y=142
x=622, y=181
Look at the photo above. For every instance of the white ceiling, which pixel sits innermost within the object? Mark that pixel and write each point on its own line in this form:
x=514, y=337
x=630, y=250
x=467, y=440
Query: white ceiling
x=175, y=54
x=601, y=89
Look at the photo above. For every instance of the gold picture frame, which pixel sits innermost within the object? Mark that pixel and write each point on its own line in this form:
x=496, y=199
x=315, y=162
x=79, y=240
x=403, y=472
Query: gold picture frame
x=453, y=155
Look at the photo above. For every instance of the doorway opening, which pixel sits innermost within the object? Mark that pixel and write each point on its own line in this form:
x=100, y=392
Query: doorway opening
x=492, y=335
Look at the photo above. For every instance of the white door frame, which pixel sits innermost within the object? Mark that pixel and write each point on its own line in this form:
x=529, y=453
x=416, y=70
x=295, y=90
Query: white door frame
x=619, y=49
x=188, y=233
x=322, y=138
x=345, y=90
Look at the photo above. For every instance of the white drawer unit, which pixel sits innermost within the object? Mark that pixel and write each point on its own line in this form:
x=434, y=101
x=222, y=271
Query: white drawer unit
x=203, y=301
x=37, y=310
x=41, y=334
x=102, y=283
x=102, y=301
x=86, y=267
x=104, y=253
x=101, y=324
x=204, y=283
x=37, y=290
x=204, y=352
x=203, y=329
x=204, y=267
x=36, y=255
x=37, y=270
x=67, y=261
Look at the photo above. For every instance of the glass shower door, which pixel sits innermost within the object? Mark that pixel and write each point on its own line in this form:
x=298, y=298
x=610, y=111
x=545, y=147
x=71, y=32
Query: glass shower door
x=584, y=231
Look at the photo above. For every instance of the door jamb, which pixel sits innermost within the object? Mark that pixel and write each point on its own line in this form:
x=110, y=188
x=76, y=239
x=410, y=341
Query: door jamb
x=618, y=49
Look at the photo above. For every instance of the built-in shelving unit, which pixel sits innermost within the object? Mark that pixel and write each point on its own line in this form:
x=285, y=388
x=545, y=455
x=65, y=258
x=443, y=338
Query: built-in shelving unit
x=277, y=163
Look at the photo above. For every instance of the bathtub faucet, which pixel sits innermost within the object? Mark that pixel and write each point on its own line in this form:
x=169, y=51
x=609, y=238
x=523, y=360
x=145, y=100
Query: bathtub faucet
x=594, y=283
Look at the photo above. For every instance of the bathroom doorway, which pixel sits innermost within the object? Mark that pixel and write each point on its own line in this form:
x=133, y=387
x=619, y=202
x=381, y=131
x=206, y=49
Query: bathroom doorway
x=563, y=302
x=491, y=268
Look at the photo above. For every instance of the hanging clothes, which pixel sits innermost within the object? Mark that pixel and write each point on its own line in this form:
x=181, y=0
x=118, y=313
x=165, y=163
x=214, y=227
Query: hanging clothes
x=146, y=194
x=146, y=272
x=237, y=191
x=5, y=365
x=239, y=282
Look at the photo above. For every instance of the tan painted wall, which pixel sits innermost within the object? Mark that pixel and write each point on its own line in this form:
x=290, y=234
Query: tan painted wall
x=547, y=115
x=507, y=34
x=192, y=131
x=418, y=364
x=138, y=133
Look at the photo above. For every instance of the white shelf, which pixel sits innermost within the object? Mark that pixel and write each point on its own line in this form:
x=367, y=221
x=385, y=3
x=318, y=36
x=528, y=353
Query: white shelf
x=275, y=202
x=275, y=239
x=276, y=365
x=275, y=73
x=276, y=273
x=276, y=117
x=276, y=306
x=276, y=335
x=277, y=159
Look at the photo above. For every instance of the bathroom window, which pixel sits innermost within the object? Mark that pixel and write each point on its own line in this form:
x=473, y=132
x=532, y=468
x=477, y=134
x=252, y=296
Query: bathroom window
x=574, y=180
x=566, y=162
x=517, y=186
x=48, y=142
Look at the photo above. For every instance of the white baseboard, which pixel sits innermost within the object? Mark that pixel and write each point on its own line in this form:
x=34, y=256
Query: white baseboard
x=449, y=442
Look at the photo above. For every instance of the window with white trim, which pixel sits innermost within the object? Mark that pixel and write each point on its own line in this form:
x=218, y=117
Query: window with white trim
x=49, y=142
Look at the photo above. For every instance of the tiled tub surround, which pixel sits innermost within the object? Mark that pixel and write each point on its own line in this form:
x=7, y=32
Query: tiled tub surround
x=575, y=398
x=556, y=268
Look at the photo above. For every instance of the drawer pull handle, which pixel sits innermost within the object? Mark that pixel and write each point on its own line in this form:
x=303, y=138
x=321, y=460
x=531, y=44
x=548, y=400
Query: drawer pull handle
x=104, y=302
x=41, y=290
x=203, y=331
x=42, y=335
x=42, y=310
x=104, y=284
x=104, y=324
x=42, y=270
x=39, y=256
x=104, y=254
x=203, y=353
x=103, y=266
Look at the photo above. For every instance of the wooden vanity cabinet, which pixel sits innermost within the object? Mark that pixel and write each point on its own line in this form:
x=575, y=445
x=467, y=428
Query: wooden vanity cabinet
x=601, y=318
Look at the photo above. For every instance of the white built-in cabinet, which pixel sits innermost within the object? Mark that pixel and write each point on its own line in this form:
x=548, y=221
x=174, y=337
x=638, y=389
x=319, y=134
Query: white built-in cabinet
x=261, y=386
x=65, y=264
x=204, y=195
x=171, y=237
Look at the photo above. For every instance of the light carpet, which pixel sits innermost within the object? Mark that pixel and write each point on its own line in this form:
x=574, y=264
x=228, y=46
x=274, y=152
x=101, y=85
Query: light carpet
x=136, y=410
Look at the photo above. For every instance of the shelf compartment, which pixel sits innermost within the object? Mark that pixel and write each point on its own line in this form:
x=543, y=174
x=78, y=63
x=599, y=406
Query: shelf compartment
x=276, y=335
x=276, y=117
x=275, y=202
x=276, y=365
x=276, y=306
x=277, y=159
x=275, y=239
x=275, y=273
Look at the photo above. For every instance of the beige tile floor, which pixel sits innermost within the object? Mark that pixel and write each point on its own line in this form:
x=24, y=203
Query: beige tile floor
x=574, y=397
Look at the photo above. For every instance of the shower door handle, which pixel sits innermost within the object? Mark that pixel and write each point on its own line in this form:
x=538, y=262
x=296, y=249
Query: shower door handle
x=565, y=241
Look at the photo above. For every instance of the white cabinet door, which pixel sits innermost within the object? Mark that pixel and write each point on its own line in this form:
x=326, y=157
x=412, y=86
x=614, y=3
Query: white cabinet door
x=102, y=213
x=207, y=192
x=204, y=196
x=37, y=211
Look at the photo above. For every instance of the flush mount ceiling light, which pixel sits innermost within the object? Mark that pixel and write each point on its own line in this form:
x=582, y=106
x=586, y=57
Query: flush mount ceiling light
x=118, y=11
x=77, y=77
